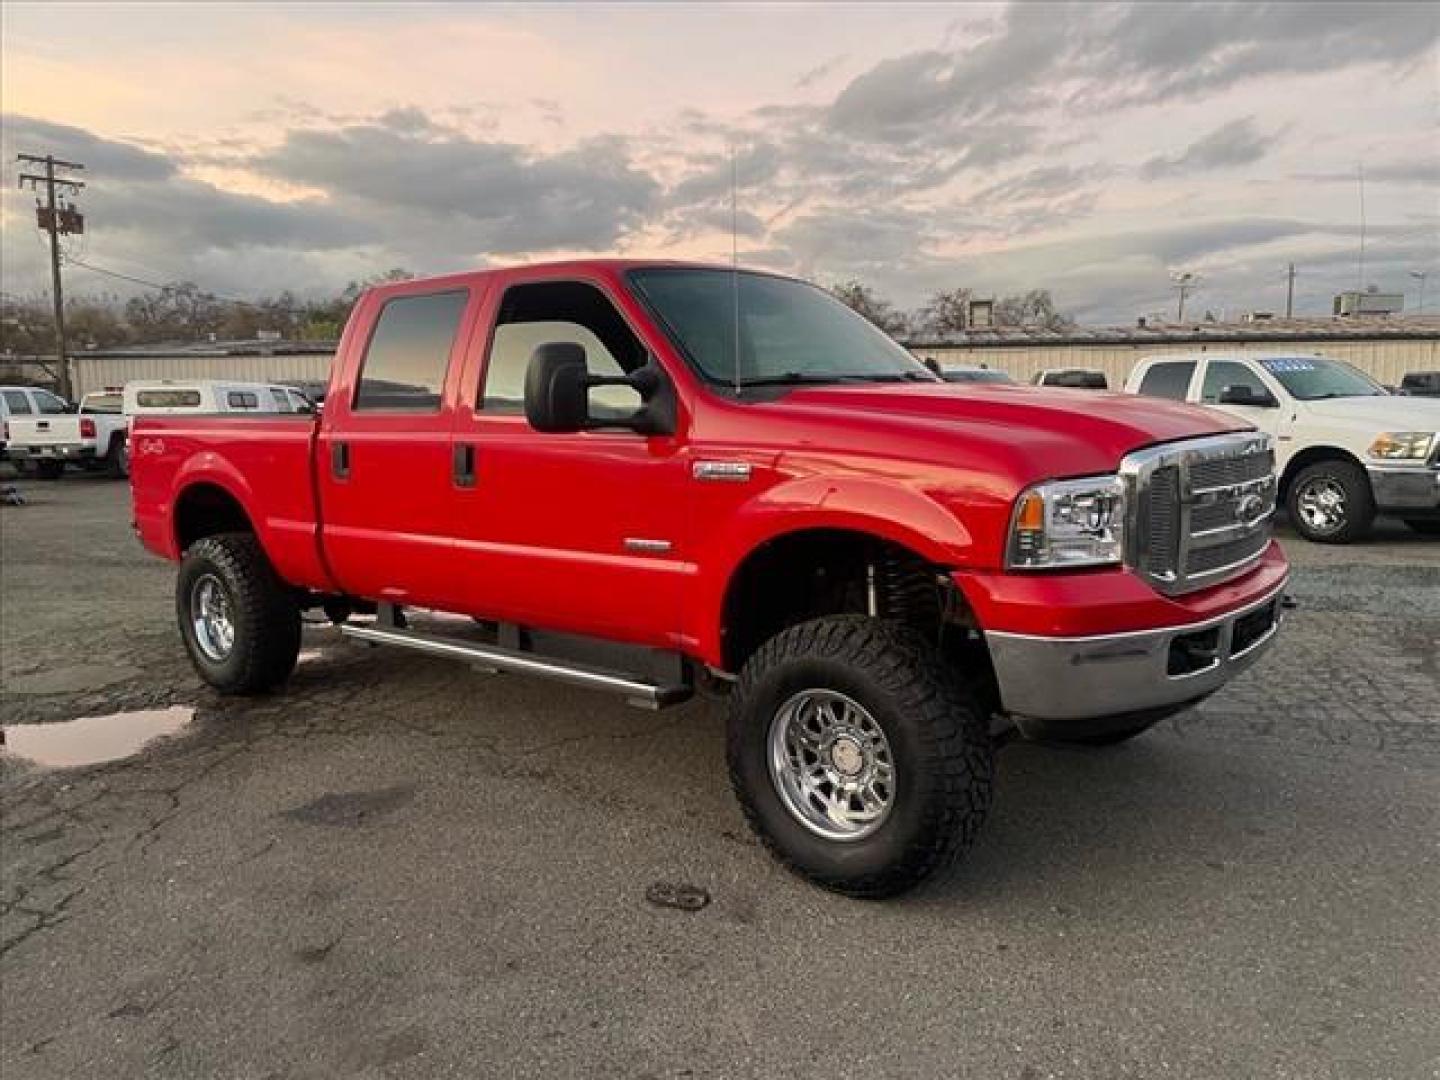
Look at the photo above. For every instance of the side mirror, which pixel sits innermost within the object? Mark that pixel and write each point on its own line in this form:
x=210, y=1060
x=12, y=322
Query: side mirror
x=557, y=386
x=557, y=393
x=1247, y=395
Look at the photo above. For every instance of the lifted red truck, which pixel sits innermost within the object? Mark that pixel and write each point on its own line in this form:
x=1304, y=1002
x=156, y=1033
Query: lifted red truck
x=650, y=477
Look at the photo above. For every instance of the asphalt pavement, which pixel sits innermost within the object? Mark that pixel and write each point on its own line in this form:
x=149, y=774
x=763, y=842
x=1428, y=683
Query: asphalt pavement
x=402, y=868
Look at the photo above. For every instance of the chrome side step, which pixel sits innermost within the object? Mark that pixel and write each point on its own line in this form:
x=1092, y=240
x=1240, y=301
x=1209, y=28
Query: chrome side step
x=643, y=694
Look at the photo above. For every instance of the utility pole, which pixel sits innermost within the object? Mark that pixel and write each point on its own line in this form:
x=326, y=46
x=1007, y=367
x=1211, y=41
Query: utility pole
x=1420, y=276
x=1290, y=293
x=57, y=220
x=1185, y=283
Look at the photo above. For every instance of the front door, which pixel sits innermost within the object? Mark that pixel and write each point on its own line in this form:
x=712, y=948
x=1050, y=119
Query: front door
x=383, y=457
x=577, y=532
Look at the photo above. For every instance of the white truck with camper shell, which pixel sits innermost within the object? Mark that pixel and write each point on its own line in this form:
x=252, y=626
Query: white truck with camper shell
x=1346, y=449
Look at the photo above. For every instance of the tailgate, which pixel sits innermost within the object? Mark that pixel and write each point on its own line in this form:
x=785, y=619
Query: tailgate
x=38, y=431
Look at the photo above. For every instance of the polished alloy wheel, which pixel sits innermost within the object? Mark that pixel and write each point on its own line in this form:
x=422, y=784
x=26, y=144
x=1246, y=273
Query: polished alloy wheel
x=1321, y=502
x=211, y=617
x=830, y=763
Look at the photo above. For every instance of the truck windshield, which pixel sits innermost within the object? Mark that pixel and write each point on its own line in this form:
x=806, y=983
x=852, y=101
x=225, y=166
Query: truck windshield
x=789, y=332
x=1311, y=378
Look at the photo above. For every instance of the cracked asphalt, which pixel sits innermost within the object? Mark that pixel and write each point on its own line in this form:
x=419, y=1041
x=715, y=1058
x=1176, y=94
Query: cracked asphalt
x=402, y=868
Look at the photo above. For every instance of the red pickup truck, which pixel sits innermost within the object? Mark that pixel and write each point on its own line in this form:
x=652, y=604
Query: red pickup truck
x=650, y=477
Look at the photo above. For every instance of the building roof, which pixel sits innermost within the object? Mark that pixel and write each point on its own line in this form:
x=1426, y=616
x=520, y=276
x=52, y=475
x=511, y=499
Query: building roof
x=218, y=349
x=1199, y=333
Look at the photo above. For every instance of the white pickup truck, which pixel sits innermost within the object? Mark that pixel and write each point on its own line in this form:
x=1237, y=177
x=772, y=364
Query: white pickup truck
x=93, y=436
x=1346, y=449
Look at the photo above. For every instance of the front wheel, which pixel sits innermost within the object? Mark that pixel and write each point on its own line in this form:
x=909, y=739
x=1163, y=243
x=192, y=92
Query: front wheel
x=240, y=622
x=859, y=757
x=117, y=462
x=1330, y=502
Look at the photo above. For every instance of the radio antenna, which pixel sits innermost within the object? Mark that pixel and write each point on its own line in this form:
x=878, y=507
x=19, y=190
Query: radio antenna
x=735, y=268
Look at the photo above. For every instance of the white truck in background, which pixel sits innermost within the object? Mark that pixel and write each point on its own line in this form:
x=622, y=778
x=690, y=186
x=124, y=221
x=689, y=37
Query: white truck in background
x=1346, y=449
x=92, y=436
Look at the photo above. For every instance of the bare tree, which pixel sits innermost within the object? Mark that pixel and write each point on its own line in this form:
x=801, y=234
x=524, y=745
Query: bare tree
x=861, y=299
x=946, y=312
x=1034, y=308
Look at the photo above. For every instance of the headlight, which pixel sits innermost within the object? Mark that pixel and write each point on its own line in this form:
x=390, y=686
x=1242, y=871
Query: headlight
x=1402, y=445
x=1069, y=523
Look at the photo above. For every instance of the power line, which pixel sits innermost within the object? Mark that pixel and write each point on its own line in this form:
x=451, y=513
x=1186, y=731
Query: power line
x=172, y=287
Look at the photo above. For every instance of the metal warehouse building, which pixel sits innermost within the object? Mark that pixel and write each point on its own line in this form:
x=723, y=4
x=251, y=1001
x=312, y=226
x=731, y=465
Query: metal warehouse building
x=246, y=361
x=1385, y=348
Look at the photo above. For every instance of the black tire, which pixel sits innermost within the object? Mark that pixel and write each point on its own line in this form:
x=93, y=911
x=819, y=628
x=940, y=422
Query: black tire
x=1424, y=526
x=49, y=469
x=938, y=739
x=1355, y=513
x=262, y=613
x=117, y=461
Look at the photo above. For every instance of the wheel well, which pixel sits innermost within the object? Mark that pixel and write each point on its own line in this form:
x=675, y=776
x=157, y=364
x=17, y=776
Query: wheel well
x=809, y=574
x=1309, y=456
x=205, y=510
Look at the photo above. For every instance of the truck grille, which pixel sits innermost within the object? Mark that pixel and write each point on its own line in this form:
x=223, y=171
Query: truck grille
x=1199, y=510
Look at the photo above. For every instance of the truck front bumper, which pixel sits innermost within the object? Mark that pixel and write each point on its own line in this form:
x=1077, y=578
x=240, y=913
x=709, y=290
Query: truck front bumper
x=1117, y=675
x=1408, y=491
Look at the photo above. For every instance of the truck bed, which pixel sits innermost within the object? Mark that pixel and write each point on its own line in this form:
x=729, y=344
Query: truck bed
x=264, y=460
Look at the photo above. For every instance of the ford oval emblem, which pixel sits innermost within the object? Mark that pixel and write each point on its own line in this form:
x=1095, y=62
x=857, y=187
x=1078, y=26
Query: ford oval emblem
x=1249, y=510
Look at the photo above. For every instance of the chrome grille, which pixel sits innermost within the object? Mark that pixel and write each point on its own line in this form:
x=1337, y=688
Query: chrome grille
x=1199, y=510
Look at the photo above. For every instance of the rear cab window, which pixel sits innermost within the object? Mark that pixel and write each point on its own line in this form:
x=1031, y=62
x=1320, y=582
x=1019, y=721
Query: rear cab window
x=17, y=403
x=47, y=403
x=1169, y=379
x=404, y=366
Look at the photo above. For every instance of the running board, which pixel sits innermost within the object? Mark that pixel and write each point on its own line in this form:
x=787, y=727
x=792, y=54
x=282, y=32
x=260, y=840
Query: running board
x=640, y=693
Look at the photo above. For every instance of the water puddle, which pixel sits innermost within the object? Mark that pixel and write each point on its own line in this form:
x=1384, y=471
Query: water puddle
x=91, y=740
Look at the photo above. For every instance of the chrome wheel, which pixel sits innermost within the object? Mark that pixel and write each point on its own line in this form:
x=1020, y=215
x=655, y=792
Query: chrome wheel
x=1321, y=503
x=212, y=618
x=831, y=764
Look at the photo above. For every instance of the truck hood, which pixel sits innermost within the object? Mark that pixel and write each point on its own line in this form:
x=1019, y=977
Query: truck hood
x=1043, y=431
x=1375, y=414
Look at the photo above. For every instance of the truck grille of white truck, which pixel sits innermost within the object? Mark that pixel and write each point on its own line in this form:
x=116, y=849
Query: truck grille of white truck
x=1199, y=510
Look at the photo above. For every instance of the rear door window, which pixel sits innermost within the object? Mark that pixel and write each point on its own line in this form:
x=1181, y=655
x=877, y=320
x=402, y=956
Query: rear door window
x=404, y=365
x=242, y=399
x=1168, y=380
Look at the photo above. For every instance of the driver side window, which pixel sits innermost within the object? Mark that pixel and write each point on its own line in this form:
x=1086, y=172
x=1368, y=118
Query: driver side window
x=540, y=314
x=1222, y=373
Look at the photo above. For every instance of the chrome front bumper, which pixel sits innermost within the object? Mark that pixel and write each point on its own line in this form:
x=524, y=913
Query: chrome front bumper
x=1083, y=678
x=1399, y=489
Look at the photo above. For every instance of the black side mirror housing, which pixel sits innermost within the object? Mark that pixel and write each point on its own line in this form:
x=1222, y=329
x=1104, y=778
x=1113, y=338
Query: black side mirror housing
x=1246, y=395
x=557, y=393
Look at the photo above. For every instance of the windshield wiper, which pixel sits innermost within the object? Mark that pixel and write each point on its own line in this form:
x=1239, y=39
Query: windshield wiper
x=811, y=378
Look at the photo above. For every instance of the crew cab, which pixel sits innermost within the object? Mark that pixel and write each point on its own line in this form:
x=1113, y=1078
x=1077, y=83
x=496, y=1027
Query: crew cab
x=93, y=436
x=1348, y=450
x=26, y=401
x=651, y=478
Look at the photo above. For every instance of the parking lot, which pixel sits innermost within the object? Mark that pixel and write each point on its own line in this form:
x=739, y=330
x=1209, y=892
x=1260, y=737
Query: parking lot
x=400, y=867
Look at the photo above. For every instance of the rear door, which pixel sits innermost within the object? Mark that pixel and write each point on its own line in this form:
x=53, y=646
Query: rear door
x=383, y=454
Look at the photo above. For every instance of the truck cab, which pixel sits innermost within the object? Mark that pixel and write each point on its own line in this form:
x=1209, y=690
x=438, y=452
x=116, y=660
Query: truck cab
x=656, y=478
x=1347, y=449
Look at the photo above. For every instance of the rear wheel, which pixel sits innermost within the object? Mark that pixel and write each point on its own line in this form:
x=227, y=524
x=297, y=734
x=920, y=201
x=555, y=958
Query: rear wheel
x=240, y=622
x=1424, y=526
x=1330, y=502
x=117, y=461
x=859, y=757
x=49, y=469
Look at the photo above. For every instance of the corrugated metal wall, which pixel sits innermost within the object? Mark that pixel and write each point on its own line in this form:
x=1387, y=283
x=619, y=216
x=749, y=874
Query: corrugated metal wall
x=1385, y=360
x=98, y=372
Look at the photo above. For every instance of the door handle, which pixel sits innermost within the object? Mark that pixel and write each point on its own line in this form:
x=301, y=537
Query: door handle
x=340, y=460
x=463, y=463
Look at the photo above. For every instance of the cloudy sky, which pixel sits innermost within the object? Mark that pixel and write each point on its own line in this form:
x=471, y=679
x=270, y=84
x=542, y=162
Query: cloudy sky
x=1090, y=150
